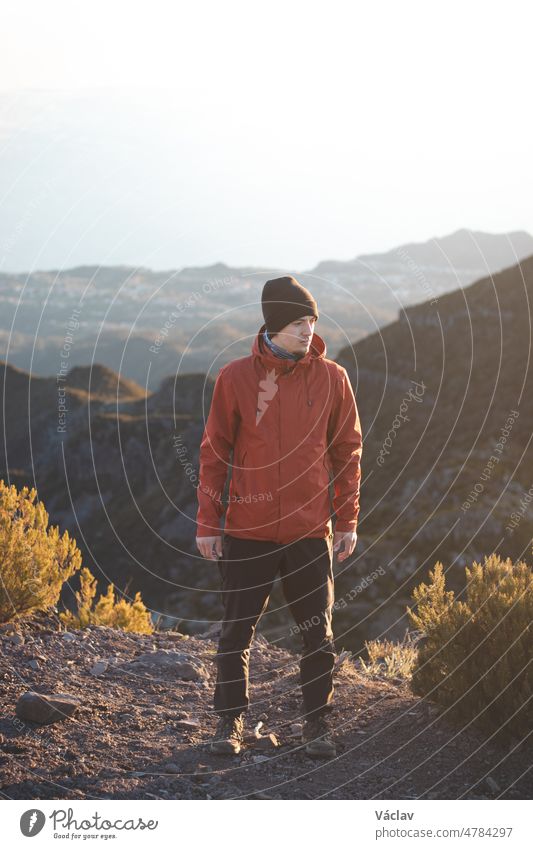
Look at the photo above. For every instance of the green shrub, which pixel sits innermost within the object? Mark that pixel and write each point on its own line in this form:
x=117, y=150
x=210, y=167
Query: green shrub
x=34, y=559
x=388, y=659
x=107, y=611
x=475, y=654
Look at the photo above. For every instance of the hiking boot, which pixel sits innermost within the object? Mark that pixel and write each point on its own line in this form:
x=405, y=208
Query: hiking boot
x=318, y=738
x=228, y=736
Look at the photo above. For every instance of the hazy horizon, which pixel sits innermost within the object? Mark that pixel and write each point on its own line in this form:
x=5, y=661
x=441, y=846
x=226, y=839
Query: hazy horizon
x=213, y=134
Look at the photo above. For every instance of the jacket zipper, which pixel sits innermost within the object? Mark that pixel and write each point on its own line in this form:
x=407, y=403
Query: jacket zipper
x=279, y=459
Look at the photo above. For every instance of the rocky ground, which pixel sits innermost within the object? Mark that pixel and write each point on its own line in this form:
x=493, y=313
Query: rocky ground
x=141, y=714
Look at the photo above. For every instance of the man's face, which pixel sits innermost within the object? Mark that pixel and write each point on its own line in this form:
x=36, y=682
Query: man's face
x=296, y=337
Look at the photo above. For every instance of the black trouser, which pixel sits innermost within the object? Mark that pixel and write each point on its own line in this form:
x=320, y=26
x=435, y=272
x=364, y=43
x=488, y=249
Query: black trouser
x=248, y=569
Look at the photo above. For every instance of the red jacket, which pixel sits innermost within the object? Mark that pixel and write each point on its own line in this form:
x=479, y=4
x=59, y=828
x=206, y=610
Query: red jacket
x=289, y=424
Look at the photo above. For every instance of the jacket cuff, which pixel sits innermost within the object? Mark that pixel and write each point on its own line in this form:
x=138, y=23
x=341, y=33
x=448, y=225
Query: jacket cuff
x=345, y=526
x=208, y=530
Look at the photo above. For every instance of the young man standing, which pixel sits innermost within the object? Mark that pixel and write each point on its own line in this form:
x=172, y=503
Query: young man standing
x=289, y=416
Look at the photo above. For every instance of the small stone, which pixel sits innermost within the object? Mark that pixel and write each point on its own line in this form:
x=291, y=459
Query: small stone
x=296, y=728
x=34, y=664
x=252, y=737
x=68, y=637
x=37, y=707
x=175, y=769
x=213, y=631
x=13, y=749
x=492, y=784
x=259, y=759
x=187, y=725
x=99, y=667
x=166, y=661
x=267, y=743
x=16, y=639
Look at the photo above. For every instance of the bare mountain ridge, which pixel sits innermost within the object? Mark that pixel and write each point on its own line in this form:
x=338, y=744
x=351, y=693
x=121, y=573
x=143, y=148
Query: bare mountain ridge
x=130, y=499
x=465, y=249
x=444, y=481
x=149, y=324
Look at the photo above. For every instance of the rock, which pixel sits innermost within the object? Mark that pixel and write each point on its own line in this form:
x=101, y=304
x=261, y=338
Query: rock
x=213, y=631
x=34, y=663
x=259, y=759
x=296, y=728
x=68, y=637
x=267, y=743
x=99, y=667
x=175, y=635
x=230, y=791
x=492, y=784
x=166, y=661
x=187, y=725
x=38, y=707
x=16, y=639
x=175, y=769
x=14, y=749
x=253, y=736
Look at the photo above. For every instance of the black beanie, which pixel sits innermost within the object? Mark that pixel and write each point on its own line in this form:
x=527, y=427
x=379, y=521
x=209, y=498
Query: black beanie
x=284, y=300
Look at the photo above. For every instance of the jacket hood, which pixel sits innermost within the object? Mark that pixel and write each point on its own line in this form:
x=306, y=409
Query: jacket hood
x=261, y=351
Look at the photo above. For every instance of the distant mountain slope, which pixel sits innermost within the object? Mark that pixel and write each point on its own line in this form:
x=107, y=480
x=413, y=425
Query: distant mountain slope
x=148, y=325
x=446, y=401
x=464, y=249
x=445, y=395
x=103, y=382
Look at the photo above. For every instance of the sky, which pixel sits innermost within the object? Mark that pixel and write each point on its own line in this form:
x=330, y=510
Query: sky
x=275, y=135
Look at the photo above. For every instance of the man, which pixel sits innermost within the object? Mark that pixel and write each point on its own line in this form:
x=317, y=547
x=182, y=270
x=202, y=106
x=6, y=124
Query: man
x=288, y=415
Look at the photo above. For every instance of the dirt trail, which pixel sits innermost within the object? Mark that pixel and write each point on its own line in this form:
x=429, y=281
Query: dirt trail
x=140, y=728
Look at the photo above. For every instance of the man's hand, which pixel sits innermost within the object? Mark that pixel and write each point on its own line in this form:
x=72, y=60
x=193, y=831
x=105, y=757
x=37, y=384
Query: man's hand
x=349, y=538
x=210, y=547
